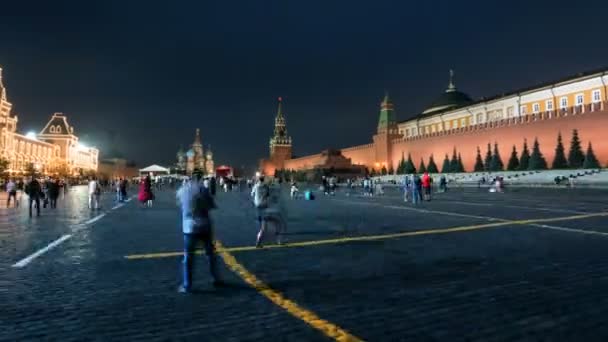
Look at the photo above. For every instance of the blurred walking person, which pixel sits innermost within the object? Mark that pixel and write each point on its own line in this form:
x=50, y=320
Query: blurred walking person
x=260, y=194
x=11, y=189
x=34, y=191
x=416, y=189
x=146, y=196
x=426, y=186
x=195, y=202
x=94, y=193
x=53, y=192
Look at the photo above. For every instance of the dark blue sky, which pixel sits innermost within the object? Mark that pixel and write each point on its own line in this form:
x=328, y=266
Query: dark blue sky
x=139, y=77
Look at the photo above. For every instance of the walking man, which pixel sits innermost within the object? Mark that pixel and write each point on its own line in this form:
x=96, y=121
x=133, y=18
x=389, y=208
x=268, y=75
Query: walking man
x=34, y=191
x=196, y=202
x=260, y=193
x=53, y=192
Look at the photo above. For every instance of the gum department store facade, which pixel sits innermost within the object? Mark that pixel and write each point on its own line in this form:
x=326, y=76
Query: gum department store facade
x=55, y=149
x=455, y=121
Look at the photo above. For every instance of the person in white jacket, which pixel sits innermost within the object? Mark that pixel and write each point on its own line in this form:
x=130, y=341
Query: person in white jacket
x=94, y=193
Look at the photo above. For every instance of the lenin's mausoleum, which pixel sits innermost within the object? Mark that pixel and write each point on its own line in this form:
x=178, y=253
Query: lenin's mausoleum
x=455, y=121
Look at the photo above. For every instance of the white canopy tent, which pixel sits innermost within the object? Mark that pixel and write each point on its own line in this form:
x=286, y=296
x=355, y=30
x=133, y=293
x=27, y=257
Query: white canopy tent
x=154, y=170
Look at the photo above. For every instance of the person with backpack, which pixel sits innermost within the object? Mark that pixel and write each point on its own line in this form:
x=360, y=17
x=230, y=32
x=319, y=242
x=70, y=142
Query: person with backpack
x=33, y=189
x=260, y=194
x=195, y=202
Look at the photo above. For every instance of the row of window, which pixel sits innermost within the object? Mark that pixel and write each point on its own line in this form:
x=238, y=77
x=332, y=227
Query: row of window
x=35, y=150
x=456, y=123
x=579, y=100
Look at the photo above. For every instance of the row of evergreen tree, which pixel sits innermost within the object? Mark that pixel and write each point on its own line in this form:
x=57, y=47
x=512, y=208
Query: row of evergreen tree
x=493, y=162
x=406, y=166
x=535, y=160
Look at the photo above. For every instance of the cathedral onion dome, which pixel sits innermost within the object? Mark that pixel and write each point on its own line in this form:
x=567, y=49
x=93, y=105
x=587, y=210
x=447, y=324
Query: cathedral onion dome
x=190, y=153
x=450, y=99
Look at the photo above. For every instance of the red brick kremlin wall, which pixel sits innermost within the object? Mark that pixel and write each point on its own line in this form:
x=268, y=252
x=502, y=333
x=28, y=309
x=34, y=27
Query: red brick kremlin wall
x=590, y=121
x=591, y=126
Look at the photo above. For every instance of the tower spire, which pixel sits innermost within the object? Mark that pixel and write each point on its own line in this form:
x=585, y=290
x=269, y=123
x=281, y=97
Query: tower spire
x=451, y=85
x=197, y=137
x=280, y=108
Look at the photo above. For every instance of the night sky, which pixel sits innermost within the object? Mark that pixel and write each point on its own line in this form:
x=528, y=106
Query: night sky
x=136, y=78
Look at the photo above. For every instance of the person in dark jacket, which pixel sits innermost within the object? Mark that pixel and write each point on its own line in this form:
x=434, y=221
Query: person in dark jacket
x=53, y=187
x=34, y=191
x=212, y=186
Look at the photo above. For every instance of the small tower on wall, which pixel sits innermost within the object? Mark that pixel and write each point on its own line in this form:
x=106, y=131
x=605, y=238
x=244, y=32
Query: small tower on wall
x=387, y=131
x=280, y=142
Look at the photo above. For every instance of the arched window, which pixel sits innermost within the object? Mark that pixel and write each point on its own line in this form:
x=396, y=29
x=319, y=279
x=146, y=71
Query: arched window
x=52, y=129
x=58, y=129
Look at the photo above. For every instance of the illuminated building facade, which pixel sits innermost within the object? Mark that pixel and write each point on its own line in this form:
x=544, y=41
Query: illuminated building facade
x=54, y=150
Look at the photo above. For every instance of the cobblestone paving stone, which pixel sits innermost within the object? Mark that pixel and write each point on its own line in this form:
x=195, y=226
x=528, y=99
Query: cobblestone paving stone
x=506, y=283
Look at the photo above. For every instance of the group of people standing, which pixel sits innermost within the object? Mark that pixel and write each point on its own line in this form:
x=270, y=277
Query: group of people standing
x=416, y=188
x=40, y=193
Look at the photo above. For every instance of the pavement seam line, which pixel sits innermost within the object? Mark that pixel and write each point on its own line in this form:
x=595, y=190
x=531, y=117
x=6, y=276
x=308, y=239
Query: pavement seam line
x=502, y=222
x=329, y=329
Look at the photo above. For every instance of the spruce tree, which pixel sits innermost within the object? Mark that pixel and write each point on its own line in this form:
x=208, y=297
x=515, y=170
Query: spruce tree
x=422, y=168
x=513, y=161
x=409, y=165
x=478, y=162
x=432, y=167
x=488, y=161
x=460, y=165
x=576, y=156
x=401, y=167
x=524, y=160
x=537, y=161
x=454, y=162
x=446, y=167
x=590, y=159
x=559, y=162
x=391, y=171
x=496, y=162
x=383, y=171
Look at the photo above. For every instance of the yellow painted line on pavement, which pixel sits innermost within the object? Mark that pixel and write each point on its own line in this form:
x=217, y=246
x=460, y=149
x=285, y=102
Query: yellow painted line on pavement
x=384, y=236
x=331, y=330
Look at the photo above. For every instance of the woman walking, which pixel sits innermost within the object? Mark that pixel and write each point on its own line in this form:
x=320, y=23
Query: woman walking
x=145, y=195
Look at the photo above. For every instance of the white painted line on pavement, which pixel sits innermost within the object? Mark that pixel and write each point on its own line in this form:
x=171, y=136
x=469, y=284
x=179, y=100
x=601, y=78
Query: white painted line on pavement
x=557, y=210
x=23, y=262
x=117, y=206
x=570, y=230
x=95, y=219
